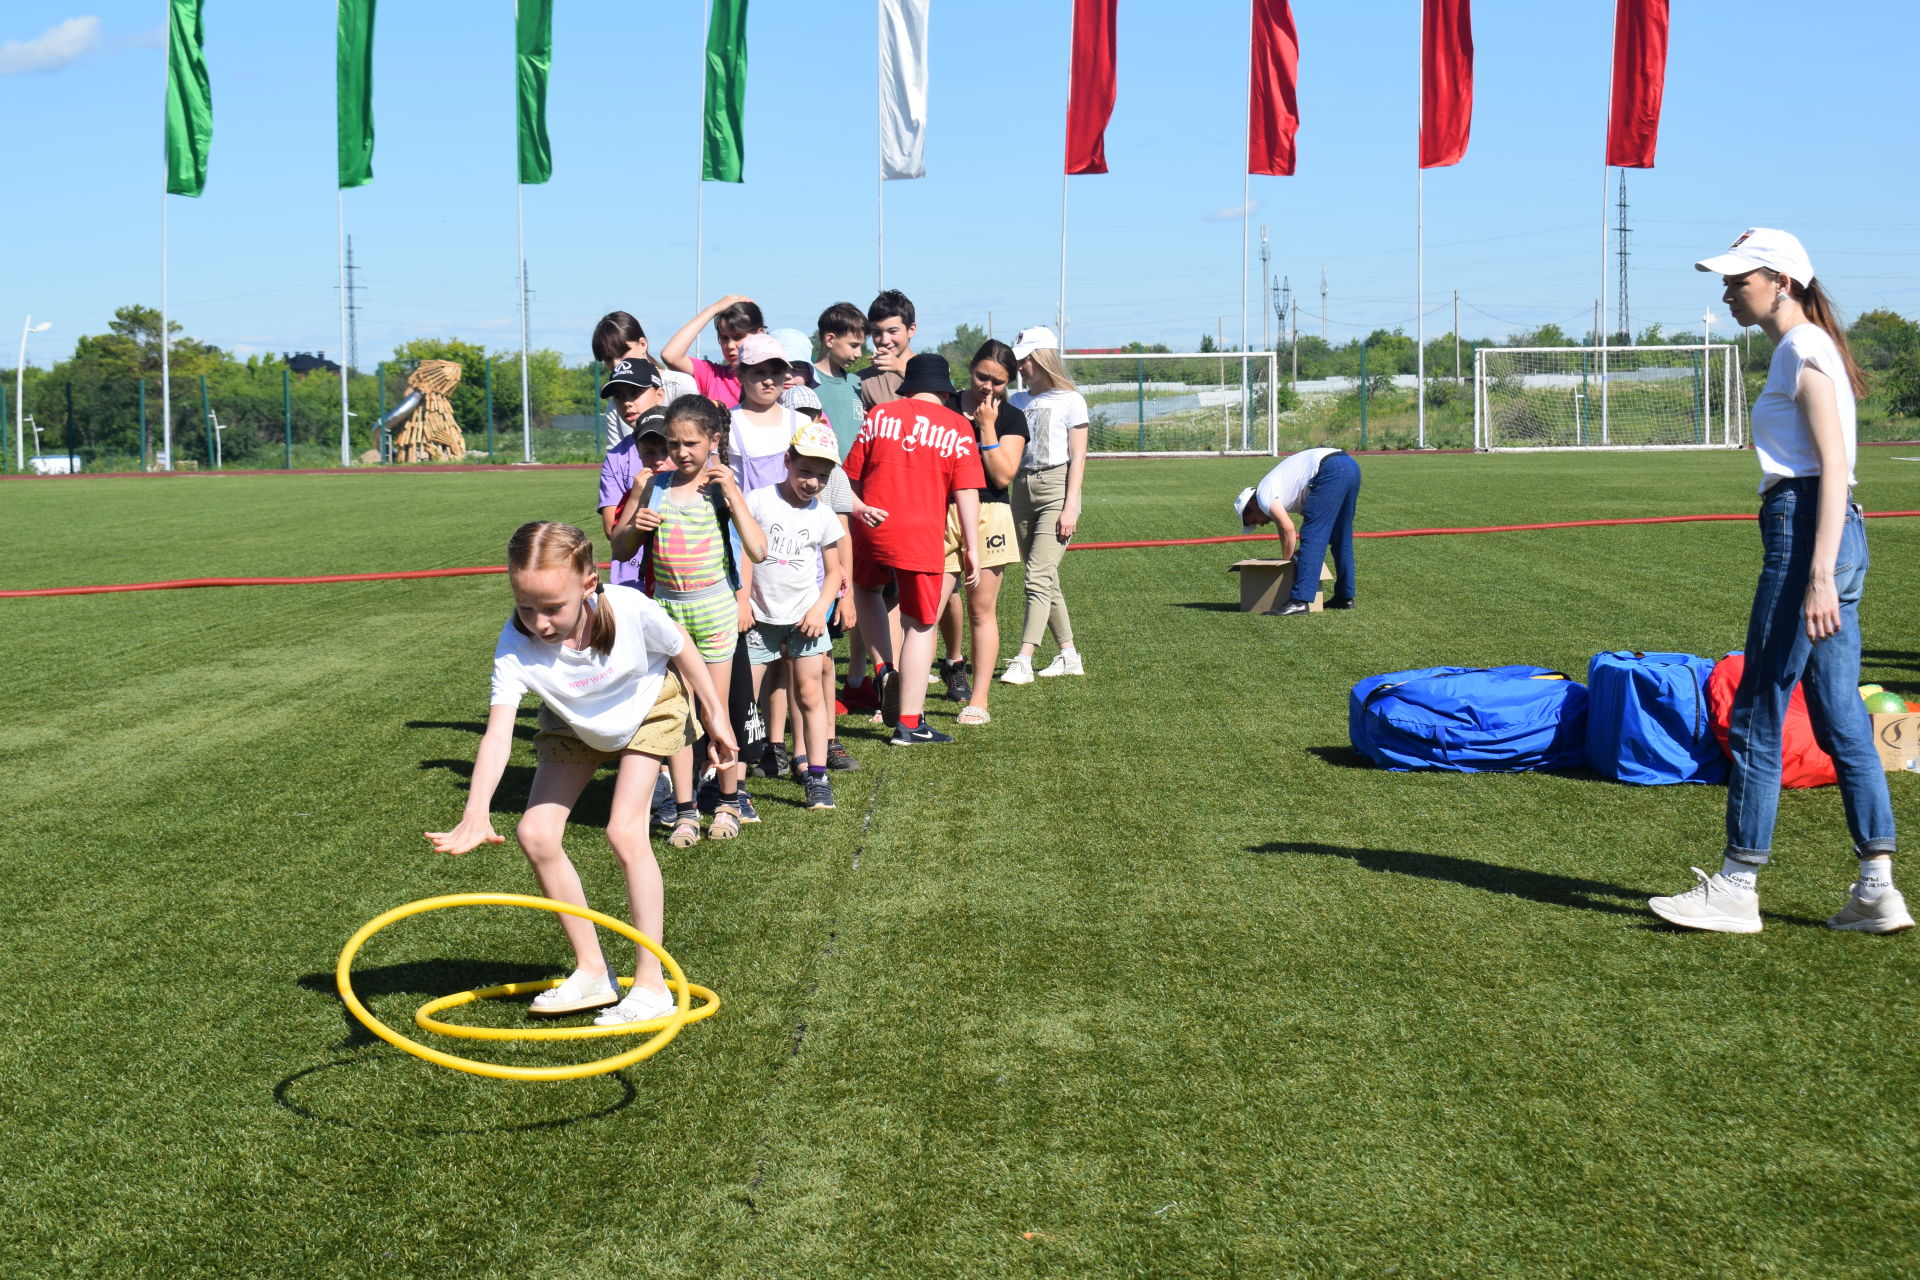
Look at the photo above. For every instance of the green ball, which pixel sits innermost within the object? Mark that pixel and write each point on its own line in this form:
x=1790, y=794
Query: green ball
x=1884, y=703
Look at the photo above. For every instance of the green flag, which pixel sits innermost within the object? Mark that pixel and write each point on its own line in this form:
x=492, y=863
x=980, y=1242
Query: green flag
x=721, y=152
x=533, y=40
x=354, y=91
x=189, y=100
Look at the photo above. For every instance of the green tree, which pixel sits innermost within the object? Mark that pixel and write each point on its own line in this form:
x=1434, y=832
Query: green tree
x=1880, y=338
x=960, y=347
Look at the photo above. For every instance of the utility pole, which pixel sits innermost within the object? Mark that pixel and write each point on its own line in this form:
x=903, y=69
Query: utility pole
x=1626, y=327
x=1323, y=304
x=1266, y=336
x=353, y=311
x=1456, y=337
x=1295, y=343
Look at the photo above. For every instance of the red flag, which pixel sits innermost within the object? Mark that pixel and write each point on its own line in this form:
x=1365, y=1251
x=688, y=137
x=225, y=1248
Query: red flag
x=1273, y=108
x=1639, y=78
x=1091, y=91
x=1446, y=80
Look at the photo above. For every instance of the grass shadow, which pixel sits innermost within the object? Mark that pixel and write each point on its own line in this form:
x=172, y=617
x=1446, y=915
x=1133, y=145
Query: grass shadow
x=1893, y=657
x=524, y=732
x=1344, y=757
x=592, y=809
x=435, y=977
x=285, y=1095
x=1207, y=606
x=1537, y=886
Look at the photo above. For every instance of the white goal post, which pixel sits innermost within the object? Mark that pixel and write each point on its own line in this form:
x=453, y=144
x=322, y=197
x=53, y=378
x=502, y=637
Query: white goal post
x=1171, y=404
x=1539, y=398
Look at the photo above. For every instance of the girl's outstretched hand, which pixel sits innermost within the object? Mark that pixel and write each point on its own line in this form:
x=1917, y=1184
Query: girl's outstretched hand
x=470, y=834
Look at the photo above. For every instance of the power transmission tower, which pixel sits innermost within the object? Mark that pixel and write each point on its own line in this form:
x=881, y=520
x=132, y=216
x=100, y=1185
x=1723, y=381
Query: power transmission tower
x=1323, y=304
x=353, y=312
x=1626, y=326
x=1282, y=293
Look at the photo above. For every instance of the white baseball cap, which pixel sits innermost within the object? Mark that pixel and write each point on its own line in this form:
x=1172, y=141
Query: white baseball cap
x=799, y=350
x=1240, y=508
x=1028, y=341
x=1762, y=247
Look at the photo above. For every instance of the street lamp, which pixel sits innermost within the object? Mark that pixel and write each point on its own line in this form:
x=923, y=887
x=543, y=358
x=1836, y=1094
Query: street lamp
x=19, y=393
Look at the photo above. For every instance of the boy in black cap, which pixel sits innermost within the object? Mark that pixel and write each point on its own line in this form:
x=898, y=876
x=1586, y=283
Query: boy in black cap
x=912, y=457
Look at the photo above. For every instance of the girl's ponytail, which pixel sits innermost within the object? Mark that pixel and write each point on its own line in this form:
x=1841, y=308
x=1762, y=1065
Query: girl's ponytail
x=1820, y=309
x=549, y=544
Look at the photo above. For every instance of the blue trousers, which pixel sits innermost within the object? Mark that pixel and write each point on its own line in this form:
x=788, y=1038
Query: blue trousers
x=1779, y=655
x=1326, y=520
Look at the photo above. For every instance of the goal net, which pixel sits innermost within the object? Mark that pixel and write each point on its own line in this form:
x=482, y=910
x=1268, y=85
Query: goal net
x=1608, y=398
x=1170, y=404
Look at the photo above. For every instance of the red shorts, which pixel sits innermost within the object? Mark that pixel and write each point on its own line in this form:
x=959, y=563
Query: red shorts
x=920, y=592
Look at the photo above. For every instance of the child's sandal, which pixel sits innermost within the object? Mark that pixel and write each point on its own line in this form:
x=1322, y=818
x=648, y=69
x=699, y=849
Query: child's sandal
x=686, y=831
x=725, y=824
x=973, y=715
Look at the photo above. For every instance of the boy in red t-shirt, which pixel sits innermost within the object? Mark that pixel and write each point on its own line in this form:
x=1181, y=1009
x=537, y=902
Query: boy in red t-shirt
x=912, y=457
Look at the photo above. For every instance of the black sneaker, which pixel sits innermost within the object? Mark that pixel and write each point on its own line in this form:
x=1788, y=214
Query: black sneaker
x=890, y=698
x=772, y=762
x=925, y=735
x=959, y=680
x=819, y=793
x=1293, y=609
x=798, y=771
x=1340, y=602
x=748, y=814
x=839, y=759
x=664, y=809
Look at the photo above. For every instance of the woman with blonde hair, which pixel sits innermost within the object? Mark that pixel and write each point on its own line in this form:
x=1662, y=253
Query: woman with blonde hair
x=1046, y=498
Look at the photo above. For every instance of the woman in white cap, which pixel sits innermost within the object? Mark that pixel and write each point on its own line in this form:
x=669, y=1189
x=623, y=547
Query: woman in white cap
x=1046, y=498
x=1804, y=627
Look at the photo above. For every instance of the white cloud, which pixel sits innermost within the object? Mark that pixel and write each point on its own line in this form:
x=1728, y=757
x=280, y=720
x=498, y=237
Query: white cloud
x=1233, y=213
x=59, y=46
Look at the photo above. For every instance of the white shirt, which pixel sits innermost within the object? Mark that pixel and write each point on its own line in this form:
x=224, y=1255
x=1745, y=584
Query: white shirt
x=1781, y=434
x=1050, y=416
x=603, y=699
x=787, y=583
x=1286, y=485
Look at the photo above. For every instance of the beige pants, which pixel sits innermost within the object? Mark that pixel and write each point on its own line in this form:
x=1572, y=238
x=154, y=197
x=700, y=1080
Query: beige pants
x=1038, y=497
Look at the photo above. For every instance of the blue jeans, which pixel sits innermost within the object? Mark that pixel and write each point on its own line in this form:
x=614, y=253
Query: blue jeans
x=1326, y=519
x=1779, y=655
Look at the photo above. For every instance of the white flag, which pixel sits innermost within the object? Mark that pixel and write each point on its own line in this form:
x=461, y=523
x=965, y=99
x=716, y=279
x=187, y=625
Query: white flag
x=903, y=88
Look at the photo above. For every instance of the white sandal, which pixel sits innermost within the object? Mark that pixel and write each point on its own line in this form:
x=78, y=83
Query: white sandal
x=580, y=991
x=971, y=714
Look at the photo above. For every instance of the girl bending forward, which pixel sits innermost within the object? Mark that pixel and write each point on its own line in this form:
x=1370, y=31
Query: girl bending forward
x=613, y=673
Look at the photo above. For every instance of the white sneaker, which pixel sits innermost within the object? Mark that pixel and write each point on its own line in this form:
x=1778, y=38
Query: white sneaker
x=641, y=1005
x=1715, y=904
x=581, y=990
x=1066, y=663
x=1885, y=914
x=1019, y=671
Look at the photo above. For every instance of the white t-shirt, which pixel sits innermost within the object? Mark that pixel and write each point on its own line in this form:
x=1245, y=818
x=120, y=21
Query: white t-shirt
x=1781, y=434
x=603, y=699
x=787, y=582
x=760, y=453
x=1050, y=415
x=1286, y=485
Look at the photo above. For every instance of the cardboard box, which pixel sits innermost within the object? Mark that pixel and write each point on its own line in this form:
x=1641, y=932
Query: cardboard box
x=1897, y=736
x=1266, y=584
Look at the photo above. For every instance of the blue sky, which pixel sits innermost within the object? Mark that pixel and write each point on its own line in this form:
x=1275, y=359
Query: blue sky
x=1812, y=134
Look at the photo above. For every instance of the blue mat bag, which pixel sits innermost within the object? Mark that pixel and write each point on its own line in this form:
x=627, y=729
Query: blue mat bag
x=1470, y=719
x=1648, y=721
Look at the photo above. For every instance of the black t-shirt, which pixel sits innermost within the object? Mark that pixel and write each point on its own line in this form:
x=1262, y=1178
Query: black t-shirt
x=1008, y=422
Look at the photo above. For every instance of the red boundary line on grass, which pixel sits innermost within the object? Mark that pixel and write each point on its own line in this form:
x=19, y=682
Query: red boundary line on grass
x=442, y=467
x=478, y=570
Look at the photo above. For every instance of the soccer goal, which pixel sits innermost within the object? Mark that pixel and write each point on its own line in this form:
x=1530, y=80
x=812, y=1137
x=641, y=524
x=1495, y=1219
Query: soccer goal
x=1608, y=398
x=1175, y=404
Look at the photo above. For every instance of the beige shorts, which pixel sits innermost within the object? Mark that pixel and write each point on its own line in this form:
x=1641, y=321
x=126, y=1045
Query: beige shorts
x=997, y=547
x=667, y=728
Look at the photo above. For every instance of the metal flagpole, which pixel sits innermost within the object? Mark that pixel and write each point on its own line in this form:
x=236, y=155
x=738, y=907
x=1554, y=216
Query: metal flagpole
x=1419, y=252
x=700, y=189
x=166, y=346
x=526, y=400
x=880, y=142
x=1602, y=336
x=1060, y=317
x=346, y=444
x=1246, y=217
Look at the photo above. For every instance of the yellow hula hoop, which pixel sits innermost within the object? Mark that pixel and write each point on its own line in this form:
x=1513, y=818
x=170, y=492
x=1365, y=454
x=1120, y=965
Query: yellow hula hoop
x=423, y=1016
x=668, y=1027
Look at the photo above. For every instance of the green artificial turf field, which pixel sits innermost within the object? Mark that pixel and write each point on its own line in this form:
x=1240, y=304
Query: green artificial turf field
x=1150, y=977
